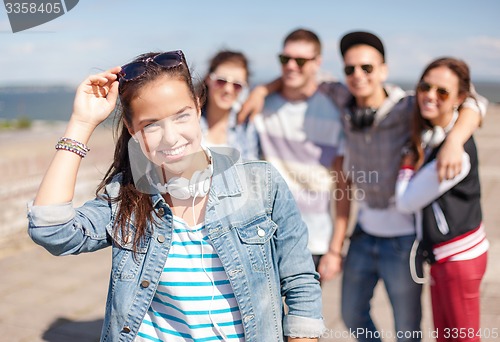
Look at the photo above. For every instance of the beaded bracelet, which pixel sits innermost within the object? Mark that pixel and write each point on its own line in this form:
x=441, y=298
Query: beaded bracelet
x=74, y=146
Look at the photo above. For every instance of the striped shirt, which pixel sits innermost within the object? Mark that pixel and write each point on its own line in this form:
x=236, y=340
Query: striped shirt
x=193, y=294
x=302, y=139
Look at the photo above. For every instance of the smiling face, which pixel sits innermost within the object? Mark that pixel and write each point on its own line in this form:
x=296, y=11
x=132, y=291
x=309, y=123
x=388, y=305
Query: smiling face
x=365, y=82
x=295, y=76
x=434, y=104
x=165, y=121
x=225, y=84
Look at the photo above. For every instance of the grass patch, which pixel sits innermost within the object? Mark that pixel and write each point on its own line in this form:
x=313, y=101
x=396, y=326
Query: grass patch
x=22, y=122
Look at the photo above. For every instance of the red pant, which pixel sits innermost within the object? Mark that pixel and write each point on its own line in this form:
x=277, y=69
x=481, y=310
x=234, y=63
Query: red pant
x=456, y=299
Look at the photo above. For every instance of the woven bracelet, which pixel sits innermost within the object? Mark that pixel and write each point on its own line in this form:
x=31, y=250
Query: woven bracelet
x=73, y=142
x=74, y=146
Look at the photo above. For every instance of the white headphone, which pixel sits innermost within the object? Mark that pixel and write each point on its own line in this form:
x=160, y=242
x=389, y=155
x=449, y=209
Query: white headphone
x=433, y=137
x=183, y=188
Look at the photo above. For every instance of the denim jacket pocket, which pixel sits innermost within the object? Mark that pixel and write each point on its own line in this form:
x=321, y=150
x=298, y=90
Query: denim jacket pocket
x=126, y=263
x=258, y=231
x=125, y=239
x=255, y=236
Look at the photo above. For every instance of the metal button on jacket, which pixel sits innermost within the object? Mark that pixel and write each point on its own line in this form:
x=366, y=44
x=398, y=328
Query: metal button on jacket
x=161, y=238
x=261, y=232
x=126, y=329
x=127, y=238
x=161, y=211
x=144, y=283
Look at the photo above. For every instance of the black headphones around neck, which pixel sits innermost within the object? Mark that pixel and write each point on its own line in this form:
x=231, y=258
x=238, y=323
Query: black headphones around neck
x=361, y=117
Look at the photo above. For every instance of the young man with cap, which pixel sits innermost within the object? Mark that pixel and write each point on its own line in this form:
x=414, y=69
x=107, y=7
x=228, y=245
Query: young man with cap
x=377, y=119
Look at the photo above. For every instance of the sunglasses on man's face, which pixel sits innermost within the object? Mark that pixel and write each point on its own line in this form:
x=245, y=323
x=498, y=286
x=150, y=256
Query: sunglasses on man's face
x=349, y=69
x=134, y=70
x=220, y=82
x=284, y=59
x=425, y=87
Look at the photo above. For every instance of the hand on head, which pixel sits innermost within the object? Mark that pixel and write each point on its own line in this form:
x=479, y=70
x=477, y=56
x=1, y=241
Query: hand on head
x=96, y=97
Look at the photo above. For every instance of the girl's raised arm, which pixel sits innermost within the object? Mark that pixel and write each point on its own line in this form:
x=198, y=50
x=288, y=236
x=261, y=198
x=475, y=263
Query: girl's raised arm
x=95, y=99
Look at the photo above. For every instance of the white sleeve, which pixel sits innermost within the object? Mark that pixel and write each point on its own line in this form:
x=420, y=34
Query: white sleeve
x=477, y=103
x=414, y=191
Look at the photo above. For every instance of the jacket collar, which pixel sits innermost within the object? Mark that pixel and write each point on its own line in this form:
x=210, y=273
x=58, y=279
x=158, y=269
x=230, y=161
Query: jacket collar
x=394, y=95
x=226, y=180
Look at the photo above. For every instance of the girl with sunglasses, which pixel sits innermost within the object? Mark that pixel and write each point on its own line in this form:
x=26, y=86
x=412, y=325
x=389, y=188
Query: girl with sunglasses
x=449, y=220
x=227, y=86
x=204, y=246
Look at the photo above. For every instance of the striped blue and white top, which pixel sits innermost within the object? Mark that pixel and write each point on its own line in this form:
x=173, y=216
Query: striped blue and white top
x=193, y=294
x=302, y=139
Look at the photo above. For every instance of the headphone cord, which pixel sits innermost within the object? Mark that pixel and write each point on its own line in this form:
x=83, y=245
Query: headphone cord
x=216, y=326
x=413, y=264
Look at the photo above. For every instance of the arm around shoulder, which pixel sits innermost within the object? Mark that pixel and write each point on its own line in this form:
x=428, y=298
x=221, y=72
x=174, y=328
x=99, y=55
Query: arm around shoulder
x=470, y=117
x=337, y=92
x=255, y=100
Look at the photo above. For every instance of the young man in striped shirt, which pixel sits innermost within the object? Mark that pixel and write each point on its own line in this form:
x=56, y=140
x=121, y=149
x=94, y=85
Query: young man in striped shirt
x=300, y=133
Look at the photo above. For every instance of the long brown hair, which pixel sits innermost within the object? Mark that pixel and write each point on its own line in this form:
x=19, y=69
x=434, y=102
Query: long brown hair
x=419, y=124
x=132, y=202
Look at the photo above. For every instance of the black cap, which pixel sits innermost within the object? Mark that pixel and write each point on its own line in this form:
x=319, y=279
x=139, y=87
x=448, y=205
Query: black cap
x=361, y=37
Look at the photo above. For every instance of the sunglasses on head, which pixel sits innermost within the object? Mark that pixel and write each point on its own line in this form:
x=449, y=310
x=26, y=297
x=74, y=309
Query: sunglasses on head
x=134, y=70
x=425, y=87
x=284, y=59
x=220, y=82
x=349, y=69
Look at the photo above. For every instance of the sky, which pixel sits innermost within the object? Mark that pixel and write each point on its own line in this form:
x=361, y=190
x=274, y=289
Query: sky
x=98, y=34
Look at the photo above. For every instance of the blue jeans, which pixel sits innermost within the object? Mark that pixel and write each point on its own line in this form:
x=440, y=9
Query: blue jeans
x=369, y=259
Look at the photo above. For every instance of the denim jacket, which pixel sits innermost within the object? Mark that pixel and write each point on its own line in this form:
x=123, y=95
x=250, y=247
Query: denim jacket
x=253, y=224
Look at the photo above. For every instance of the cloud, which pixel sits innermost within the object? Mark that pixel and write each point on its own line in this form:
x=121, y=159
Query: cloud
x=89, y=45
x=409, y=54
x=485, y=47
x=482, y=54
x=21, y=49
x=490, y=43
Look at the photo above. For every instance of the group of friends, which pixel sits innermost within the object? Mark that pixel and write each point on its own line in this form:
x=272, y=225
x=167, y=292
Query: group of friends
x=226, y=209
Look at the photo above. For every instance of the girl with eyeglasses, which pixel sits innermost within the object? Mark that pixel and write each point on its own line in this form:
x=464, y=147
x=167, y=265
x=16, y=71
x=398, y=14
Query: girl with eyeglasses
x=204, y=245
x=449, y=219
x=227, y=87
